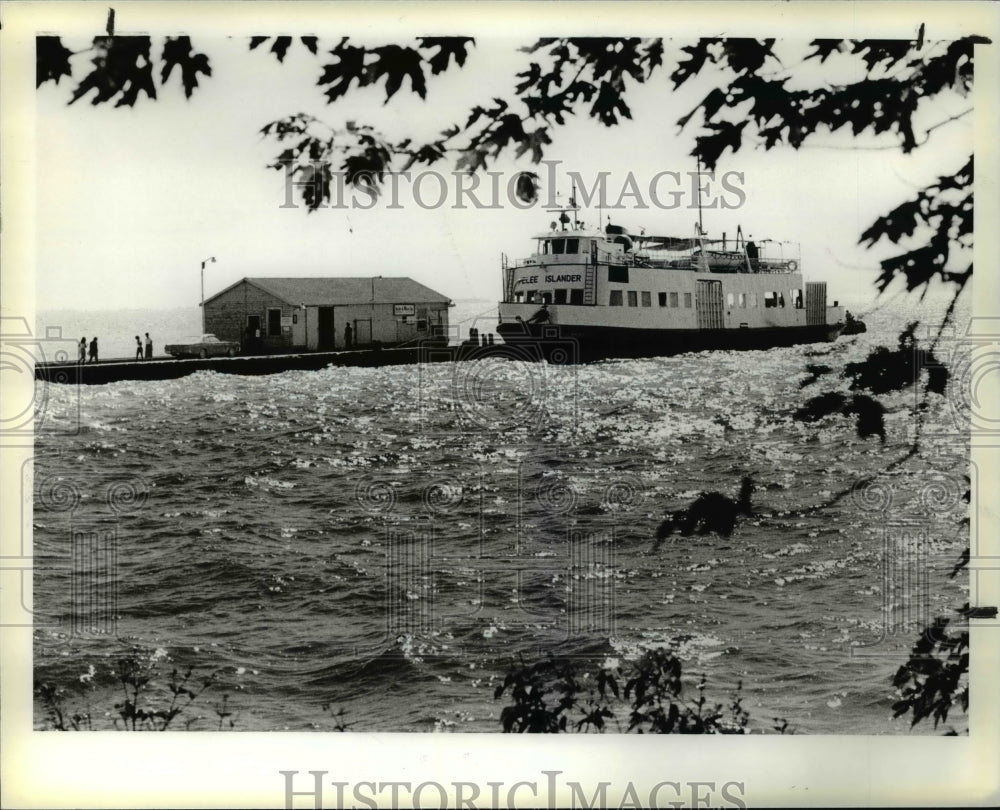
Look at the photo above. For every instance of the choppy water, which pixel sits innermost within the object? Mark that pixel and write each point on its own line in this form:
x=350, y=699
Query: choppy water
x=387, y=541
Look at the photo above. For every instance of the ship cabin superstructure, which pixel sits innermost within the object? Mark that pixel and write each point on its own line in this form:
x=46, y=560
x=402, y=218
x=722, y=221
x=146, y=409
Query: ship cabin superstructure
x=578, y=277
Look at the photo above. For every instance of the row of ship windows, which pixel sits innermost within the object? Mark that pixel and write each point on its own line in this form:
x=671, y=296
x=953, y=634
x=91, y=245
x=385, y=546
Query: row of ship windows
x=672, y=299
x=743, y=300
x=663, y=298
x=553, y=297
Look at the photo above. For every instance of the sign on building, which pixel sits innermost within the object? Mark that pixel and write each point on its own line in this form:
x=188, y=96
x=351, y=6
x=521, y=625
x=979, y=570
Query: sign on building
x=404, y=309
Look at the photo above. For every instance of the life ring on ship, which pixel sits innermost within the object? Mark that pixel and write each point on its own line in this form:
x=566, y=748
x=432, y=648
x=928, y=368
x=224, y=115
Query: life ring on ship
x=793, y=265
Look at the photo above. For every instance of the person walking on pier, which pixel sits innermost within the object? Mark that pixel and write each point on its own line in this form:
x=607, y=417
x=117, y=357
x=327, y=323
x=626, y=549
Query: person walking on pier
x=93, y=350
x=138, y=348
x=149, y=347
x=82, y=351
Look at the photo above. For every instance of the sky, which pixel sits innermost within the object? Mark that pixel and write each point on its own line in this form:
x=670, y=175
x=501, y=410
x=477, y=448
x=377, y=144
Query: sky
x=131, y=200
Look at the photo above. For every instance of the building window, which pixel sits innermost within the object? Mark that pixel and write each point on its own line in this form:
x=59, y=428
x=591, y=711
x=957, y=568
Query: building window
x=633, y=298
x=576, y=296
x=673, y=300
x=662, y=297
x=422, y=325
x=560, y=297
x=687, y=300
x=647, y=300
x=615, y=298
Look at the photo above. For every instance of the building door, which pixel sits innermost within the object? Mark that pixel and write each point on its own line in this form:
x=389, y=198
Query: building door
x=709, y=305
x=363, y=332
x=274, y=323
x=251, y=339
x=327, y=337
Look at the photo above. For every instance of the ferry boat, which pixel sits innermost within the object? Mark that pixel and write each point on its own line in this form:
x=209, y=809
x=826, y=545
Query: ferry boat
x=587, y=294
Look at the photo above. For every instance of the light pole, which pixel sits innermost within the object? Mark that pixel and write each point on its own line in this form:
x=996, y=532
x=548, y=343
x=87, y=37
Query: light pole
x=209, y=259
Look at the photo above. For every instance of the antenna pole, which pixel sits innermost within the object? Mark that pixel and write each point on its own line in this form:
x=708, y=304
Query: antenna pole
x=572, y=201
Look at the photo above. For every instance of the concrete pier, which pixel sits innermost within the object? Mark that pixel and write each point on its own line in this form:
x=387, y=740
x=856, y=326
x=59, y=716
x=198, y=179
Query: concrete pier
x=170, y=368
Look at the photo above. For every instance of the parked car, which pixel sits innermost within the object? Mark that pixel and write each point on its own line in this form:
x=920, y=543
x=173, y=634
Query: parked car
x=203, y=346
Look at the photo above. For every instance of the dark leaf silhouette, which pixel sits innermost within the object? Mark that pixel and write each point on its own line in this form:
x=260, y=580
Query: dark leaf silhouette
x=396, y=63
x=280, y=47
x=815, y=372
x=177, y=53
x=349, y=67
x=554, y=696
x=448, y=48
x=122, y=69
x=870, y=415
x=51, y=60
x=886, y=370
x=527, y=187
x=698, y=55
x=935, y=677
x=823, y=48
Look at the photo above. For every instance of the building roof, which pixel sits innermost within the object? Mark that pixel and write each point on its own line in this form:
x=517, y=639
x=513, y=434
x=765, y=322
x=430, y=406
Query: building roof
x=328, y=291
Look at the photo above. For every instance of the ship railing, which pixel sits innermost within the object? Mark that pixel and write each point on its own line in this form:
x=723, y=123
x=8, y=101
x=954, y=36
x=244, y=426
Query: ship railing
x=733, y=261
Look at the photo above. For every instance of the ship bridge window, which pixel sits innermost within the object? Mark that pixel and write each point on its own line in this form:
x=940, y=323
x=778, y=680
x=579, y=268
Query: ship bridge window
x=646, y=299
x=663, y=299
x=546, y=298
x=615, y=298
x=796, y=298
x=770, y=299
x=529, y=296
x=572, y=245
x=518, y=297
x=743, y=300
x=730, y=299
x=558, y=246
x=781, y=299
x=633, y=298
x=543, y=246
x=560, y=297
x=687, y=300
x=576, y=296
x=673, y=300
